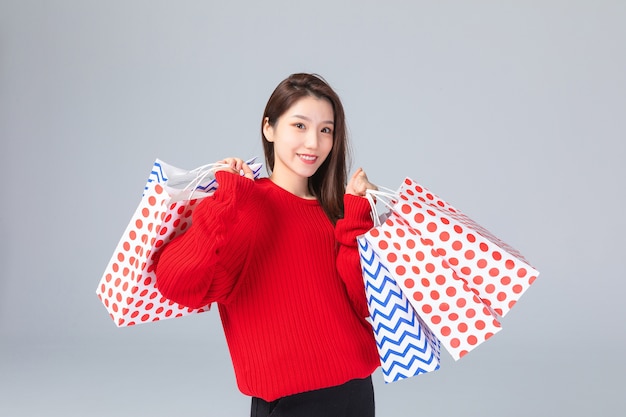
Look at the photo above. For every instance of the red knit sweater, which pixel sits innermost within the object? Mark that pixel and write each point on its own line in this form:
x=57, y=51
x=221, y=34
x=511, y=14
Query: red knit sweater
x=288, y=286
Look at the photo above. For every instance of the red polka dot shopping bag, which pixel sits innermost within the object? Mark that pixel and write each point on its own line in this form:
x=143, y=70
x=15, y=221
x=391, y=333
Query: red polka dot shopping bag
x=128, y=286
x=457, y=276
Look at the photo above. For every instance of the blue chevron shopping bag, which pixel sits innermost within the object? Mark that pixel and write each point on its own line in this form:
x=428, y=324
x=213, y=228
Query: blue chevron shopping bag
x=405, y=344
x=128, y=286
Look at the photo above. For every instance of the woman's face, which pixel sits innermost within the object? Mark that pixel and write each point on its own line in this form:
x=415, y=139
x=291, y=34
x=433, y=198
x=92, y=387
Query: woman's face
x=302, y=138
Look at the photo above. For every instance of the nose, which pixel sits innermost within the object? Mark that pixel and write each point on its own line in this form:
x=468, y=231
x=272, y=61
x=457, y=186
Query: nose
x=312, y=139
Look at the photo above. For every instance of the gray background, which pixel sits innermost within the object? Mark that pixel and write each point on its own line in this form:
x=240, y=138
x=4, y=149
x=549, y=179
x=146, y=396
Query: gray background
x=512, y=111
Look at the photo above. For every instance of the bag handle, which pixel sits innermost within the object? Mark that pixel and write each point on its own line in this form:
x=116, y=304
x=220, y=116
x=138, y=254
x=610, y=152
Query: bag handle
x=214, y=165
x=201, y=174
x=385, y=196
x=187, y=183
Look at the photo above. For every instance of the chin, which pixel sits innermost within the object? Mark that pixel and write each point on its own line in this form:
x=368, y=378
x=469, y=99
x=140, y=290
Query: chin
x=311, y=172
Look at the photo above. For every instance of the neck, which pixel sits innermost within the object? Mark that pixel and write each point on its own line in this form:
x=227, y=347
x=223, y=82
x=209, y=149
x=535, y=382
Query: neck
x=299, y=187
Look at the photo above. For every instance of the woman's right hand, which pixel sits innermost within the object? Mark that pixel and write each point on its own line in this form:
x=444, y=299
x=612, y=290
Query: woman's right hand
x=236, y=166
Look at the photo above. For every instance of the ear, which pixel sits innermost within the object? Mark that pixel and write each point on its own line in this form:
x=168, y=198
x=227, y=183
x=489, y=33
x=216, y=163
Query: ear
x=268, y=130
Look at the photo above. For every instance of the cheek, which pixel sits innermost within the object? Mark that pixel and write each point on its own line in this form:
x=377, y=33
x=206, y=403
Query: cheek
x=328, y=145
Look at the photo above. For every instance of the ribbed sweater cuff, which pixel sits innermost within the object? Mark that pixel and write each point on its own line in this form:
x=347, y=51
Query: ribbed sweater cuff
x=356, y=220
x=357, y=209
x=229, y=182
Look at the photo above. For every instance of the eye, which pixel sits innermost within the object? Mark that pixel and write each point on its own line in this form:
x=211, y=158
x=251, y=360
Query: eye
x=327, y=130
x=299, y=125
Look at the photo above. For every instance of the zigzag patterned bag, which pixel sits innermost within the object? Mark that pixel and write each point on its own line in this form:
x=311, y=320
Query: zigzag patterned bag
x=128, y=286
x=405, y=344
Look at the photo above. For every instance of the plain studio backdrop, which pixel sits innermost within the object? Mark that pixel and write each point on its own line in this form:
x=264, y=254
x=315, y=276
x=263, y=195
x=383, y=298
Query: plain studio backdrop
x=513, y=111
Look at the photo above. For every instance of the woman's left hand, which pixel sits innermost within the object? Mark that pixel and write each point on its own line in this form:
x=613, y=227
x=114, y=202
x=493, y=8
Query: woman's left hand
x=359, y=183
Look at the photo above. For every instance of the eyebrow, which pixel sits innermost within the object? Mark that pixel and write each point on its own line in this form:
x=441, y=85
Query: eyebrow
x=299, y=116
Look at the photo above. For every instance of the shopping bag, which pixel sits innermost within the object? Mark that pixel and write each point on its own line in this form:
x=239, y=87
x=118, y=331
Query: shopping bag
x=498, y=272
x=128, y=285
x=458, y=277
x=447, y=306
x=406, y=346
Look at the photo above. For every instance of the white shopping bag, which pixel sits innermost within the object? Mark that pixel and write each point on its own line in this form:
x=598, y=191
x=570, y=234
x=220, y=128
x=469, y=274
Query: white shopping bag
x=458, y=277
x=128, y=286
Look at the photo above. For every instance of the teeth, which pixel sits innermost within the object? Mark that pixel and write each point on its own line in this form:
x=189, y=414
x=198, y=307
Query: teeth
x=307, y=157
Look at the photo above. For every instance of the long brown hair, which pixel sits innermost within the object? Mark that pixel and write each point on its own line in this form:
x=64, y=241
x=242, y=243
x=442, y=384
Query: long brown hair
x=328, y=184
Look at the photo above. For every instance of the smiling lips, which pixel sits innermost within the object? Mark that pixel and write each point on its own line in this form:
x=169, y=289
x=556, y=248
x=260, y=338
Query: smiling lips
x=307, y=159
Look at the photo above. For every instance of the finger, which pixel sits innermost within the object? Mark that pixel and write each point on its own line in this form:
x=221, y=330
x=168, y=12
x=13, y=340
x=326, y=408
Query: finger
x=364, y=176
x=371, y=186
x=246, y=171
x=357, y=173
x=233, y=165
x=355, y=179
x=367, y=184
x=227, y=161
x=226, y=165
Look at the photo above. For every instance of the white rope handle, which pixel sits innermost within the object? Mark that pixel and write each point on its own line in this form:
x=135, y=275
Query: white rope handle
x=204, y=171
x=202, y=168
x=384, y=195
x=201, y=176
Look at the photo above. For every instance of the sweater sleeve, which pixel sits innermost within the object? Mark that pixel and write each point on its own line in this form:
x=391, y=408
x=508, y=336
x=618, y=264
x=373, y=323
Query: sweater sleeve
x=356, y=221
x=202, y=265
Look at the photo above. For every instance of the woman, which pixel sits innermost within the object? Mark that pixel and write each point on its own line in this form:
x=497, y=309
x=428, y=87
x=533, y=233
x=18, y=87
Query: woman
x=279, y=256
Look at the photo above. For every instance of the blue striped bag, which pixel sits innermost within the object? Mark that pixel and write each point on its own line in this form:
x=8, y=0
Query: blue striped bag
x=405, y=344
